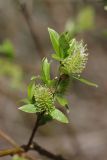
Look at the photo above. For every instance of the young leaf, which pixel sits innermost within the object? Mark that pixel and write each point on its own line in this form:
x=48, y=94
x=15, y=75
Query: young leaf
x=56, y=57
x=64, y=45
x=29, y=108
x=86, y=81
x=35, y=77
x=62, y=101
x=64, y=83
x=31, y=89
x=45, y=118
x=58, y=115
x=54, y=36
x=45, y=71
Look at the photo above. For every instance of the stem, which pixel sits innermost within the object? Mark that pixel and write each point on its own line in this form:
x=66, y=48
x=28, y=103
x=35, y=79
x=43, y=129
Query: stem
x=36, y=126
x=11, y=151
x=61, y=78
x=45, y=152
x=8, y=139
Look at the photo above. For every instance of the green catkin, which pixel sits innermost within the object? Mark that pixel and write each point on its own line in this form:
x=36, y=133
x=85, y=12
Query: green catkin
x=44, y=100
x=76, y=61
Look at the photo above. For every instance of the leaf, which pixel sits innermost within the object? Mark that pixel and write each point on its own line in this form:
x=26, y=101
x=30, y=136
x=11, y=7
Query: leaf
x=62, y=101
x=56, y=57
x=58, y=115
x=86, y=81
x=64, y=83
x=29, y=108
x=45, y=71
x=35, y=77
x=54, y=37
x=45, y=118
x=31, y=89
x=64, y=45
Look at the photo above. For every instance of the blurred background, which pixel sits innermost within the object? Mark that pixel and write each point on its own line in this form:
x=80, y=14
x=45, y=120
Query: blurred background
x=24, y=41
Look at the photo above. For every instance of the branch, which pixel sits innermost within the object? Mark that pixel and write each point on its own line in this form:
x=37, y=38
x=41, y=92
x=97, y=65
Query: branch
x=8, y=139
x=36, y=126
x=46, y=153
x=28, y=17
x=16, y=150
x=11, y=151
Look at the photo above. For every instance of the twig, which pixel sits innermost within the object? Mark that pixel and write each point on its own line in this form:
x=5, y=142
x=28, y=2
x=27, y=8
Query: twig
x=30, y=146
x=16, y=150
x=7, y=138
x=34, y=146
x=46, y=153
x=33, y=132
x=11, y=151
x=28, y=17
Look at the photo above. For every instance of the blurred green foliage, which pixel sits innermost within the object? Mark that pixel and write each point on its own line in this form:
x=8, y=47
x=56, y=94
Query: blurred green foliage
x=104, y=33
x=8, y=68
x=12, y=72
x=17, y=157
x=83, y=22
x=7, y=49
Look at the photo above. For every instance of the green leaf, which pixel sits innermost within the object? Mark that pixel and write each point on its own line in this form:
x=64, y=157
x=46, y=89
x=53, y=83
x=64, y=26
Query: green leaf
x=54, y=37
x=64, y=83
x=31, y=88
x=56, y=57
x=86, y=81
x=45, y=118
x=58, y=115
x=62, y=101
x=35, y=77
x=45, y=71
x=29, y=108
x=64, y=44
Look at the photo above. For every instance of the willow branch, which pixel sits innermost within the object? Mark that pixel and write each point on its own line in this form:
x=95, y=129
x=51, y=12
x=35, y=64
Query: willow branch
x=33, y=146
x=28, y=17
x=11, y=151
x=33, y=132
x=45, y=153
x=8, y=139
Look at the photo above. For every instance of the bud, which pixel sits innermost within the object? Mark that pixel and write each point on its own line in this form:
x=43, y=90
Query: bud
x=44, y=100
x=76, y=61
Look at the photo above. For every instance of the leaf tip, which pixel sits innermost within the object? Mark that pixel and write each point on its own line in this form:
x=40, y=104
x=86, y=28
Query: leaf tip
x=20, y=108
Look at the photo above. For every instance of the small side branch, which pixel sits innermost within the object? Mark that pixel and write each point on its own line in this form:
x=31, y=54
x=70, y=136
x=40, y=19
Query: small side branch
x=33, y=133
x=11, y=151
x=46, y=153
x=8, y=139
x=28, y=17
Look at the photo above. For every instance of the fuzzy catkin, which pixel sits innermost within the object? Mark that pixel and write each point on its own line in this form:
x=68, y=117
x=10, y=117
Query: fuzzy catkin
x=44, y=100
x=76, y=61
